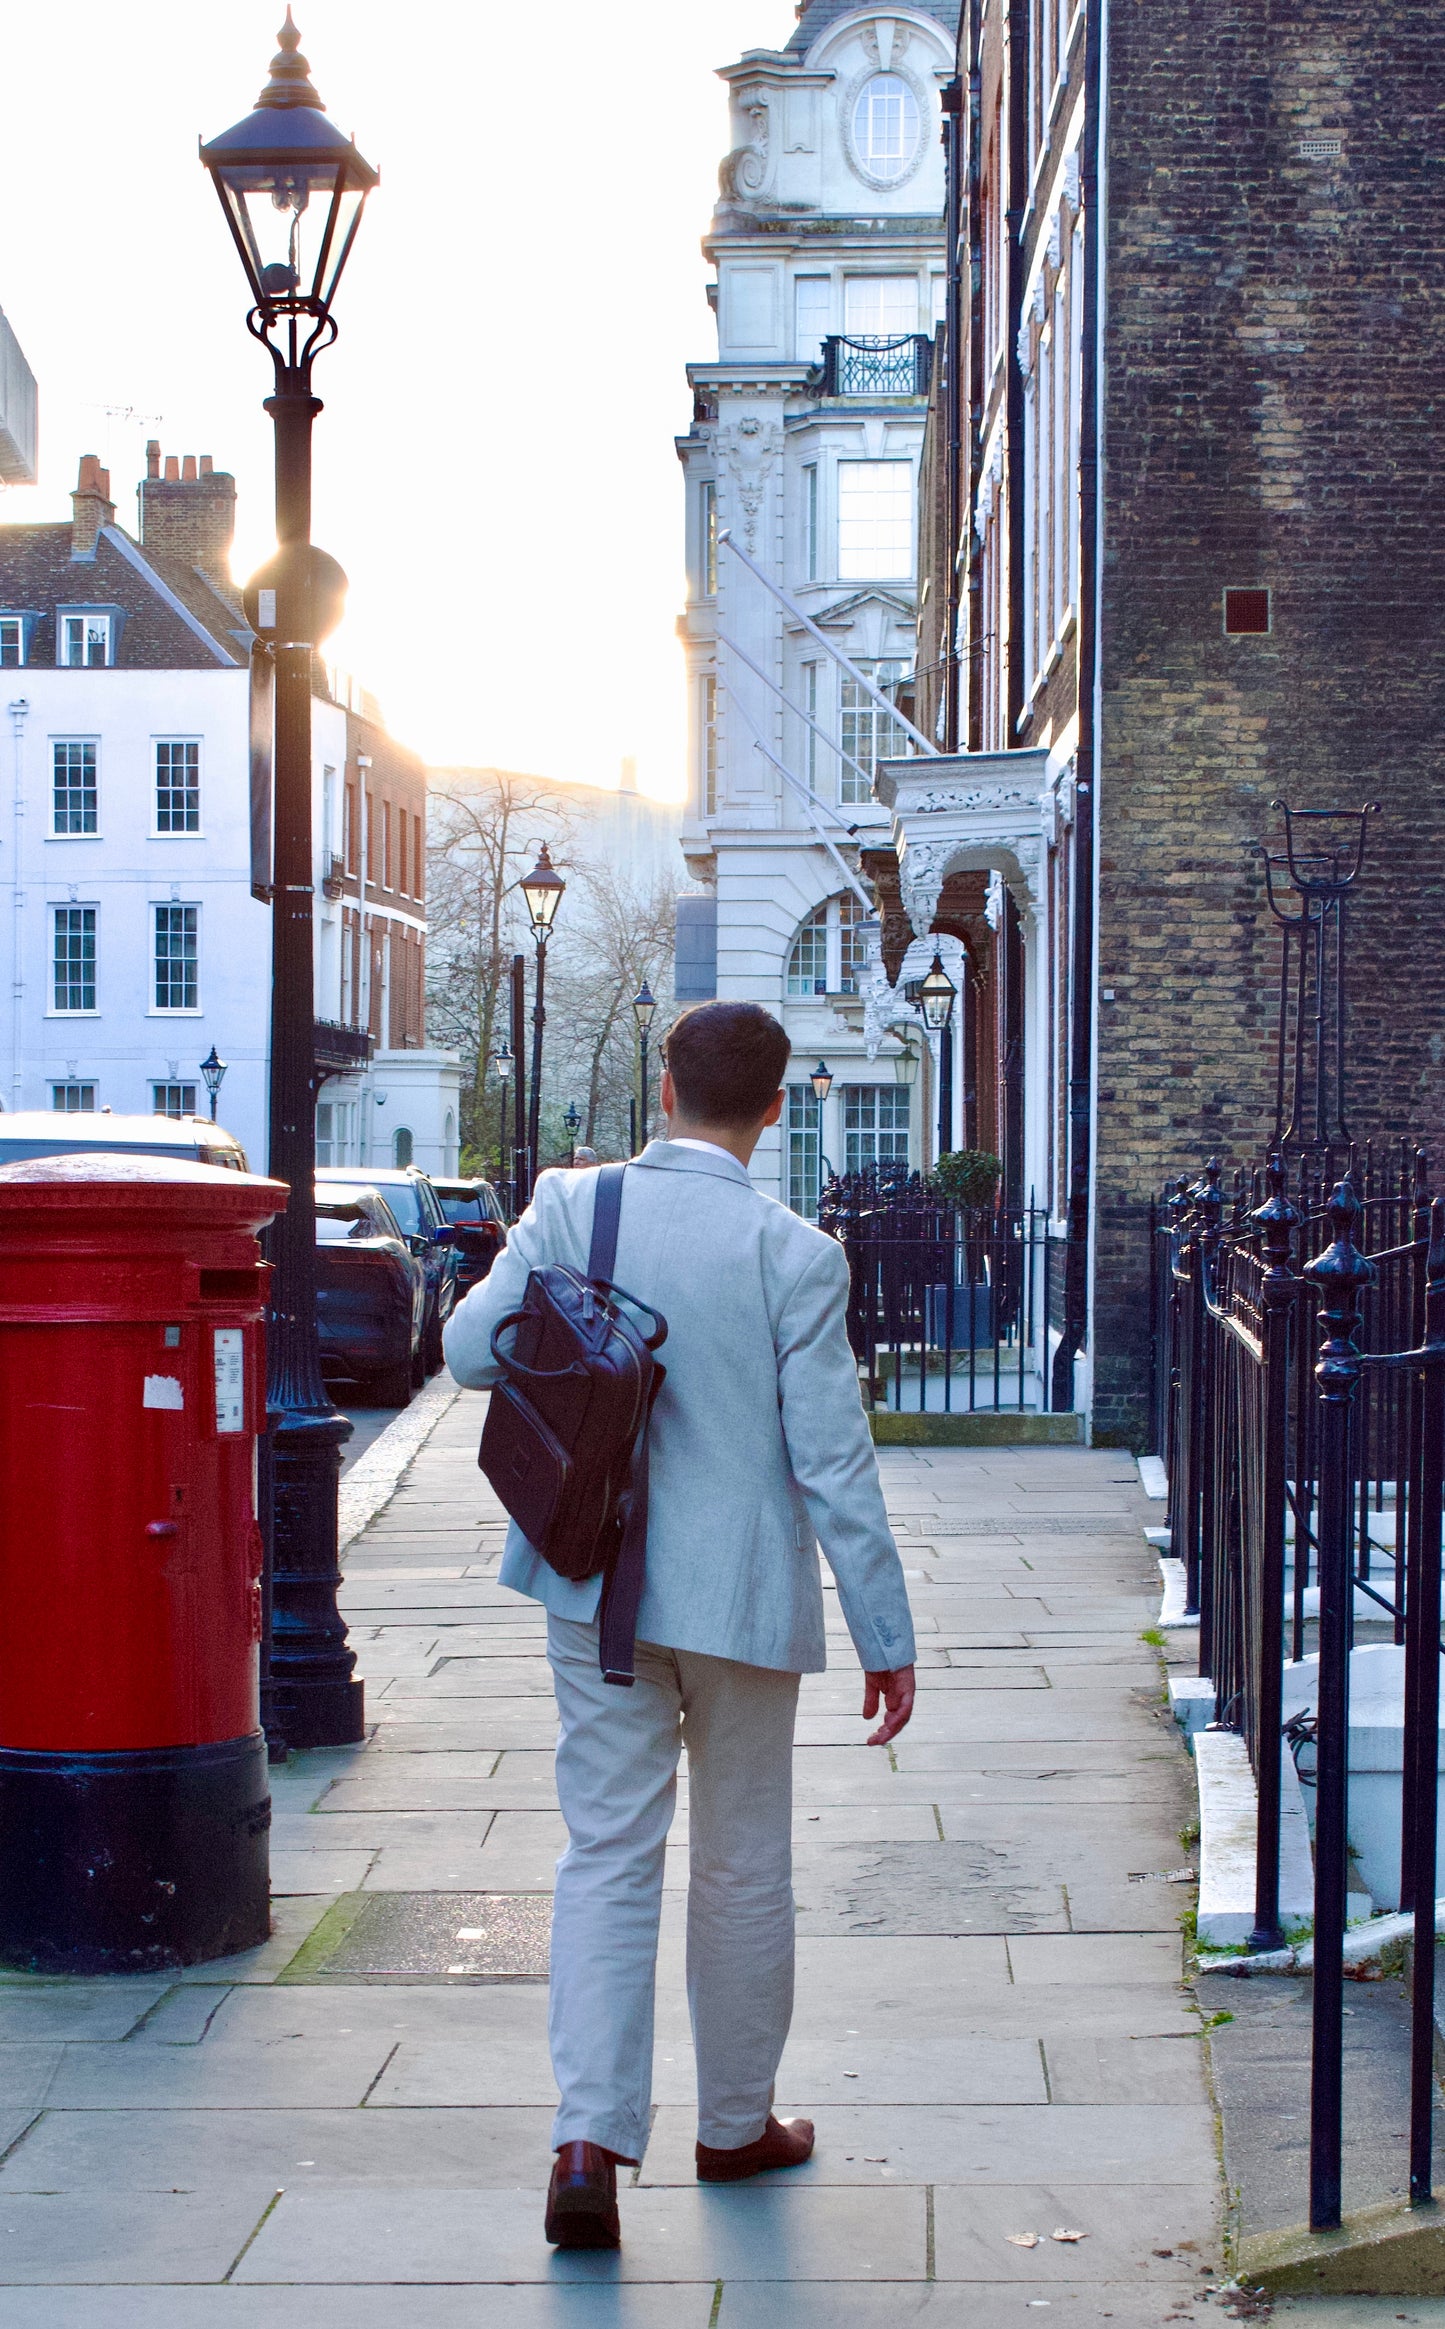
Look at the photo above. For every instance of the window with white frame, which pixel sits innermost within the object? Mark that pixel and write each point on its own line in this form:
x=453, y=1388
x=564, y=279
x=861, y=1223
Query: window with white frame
x=804, y=1149
x=875, y=520
x=178, y=785
x=707, y=740
x=72, y=958
x=812, y=316
x=176, y=943
x=880, y=306
x=12, y=642
x=810, y=522
x=335, y=1132
x=1050, y=355
x=74, y=793
x=72, y=1099
x=808, y=960
x=707, y=538
x=886, y=127
x=826, y=957
x=869, y=734
x=173, y=1099
x=875, y=1125
x=85, y=641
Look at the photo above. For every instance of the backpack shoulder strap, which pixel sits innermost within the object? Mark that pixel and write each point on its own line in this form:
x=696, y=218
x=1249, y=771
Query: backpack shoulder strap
x=606, y=1214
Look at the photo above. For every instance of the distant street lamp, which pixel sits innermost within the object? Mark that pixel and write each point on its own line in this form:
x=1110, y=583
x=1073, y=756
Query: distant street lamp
x=293, y=190
x=936, y=999
x=213, y=1071
x=542, y=889
x=502, y=1063
x=905, y=1066
x=643, y=1006
x=821, y=1080
x=573, y=1123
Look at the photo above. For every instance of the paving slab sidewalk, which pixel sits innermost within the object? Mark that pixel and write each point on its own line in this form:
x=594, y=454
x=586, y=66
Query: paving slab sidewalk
x=992, y=2032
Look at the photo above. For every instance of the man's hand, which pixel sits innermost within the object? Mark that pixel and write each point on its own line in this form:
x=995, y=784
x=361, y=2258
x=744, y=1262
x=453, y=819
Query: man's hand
x=895, y=1691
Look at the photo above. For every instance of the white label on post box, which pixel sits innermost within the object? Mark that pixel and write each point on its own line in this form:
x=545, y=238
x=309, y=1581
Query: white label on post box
x=230, y=1380
x=163, y=1391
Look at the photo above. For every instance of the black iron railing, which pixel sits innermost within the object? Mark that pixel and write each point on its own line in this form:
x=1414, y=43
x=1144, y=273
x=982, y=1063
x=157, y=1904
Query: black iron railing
x=1300, y=1403
x=340, y=1050
x=875, y=366
x=952, y=1310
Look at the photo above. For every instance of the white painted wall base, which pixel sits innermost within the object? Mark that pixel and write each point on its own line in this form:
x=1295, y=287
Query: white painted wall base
x=1377, y=1759
x=1153, y=1478
x=1228, y=1828
x=1171, y=1614
x=1191, y=1702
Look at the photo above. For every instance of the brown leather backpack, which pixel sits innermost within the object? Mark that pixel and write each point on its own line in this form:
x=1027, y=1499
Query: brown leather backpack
x=565, y=1440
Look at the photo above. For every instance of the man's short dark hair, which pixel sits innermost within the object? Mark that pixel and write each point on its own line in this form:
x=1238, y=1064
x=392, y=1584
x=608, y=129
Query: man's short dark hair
x=726, y=1061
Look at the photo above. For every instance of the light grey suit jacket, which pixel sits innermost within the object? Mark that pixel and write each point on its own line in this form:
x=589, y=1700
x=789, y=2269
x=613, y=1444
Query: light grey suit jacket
x=759, y=1446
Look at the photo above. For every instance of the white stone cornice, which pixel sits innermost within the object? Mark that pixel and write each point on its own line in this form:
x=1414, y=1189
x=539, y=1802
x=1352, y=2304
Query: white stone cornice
x=970, y=812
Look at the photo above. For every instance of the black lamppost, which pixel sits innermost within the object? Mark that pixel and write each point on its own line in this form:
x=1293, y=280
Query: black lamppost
x=643, y=1006
x=936, y=998
x=542, y=888
x=213, y=1072
x=293, y=188
x=502, y=1062
x=573, y=1123
x=821, y=1080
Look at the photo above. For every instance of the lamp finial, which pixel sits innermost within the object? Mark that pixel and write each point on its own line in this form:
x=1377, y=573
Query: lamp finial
x=290, y=82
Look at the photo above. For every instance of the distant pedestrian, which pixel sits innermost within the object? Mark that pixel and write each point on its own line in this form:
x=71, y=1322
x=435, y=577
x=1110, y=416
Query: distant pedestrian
x=584, y=1156
x=759, y=1451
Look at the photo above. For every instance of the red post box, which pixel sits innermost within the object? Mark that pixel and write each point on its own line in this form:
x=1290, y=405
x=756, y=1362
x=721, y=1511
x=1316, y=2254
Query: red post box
x=134, y=1799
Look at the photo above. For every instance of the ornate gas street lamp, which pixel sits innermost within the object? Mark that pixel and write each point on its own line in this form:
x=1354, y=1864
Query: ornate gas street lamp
x=293, y=188
x=936, y=1000
x=213, y=1072
x=542, y=889
x=573, y=1123
x=643, y=1006
x=502, y=1065
x=821, y=1080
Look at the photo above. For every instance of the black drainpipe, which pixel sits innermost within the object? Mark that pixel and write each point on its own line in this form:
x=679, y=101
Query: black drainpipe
x=953, y=391
x=1081, y=983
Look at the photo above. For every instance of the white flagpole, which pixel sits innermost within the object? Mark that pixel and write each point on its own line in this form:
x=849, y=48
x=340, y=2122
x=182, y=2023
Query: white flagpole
x=806, y=717
x=725, y=537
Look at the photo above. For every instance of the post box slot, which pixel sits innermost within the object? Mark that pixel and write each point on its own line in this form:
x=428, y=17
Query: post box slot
x=230, y=1285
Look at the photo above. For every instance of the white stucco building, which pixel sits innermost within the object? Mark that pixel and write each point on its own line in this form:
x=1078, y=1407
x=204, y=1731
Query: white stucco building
x=136, y=942
x=828, y=248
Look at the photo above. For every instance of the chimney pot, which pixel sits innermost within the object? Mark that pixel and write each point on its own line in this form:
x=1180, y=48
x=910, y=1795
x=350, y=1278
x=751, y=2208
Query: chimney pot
x=188, y=469
x=207, y=465
x=173, y=469
x=189, y=514
x=153, y=458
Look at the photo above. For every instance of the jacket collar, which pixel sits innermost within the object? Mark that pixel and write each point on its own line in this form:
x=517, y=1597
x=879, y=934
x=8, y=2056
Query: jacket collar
x=661, y=1156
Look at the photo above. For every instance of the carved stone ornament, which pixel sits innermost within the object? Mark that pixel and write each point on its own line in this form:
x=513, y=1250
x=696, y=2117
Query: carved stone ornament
x=922, y=870
x=988, y=798
x=744, y=172
x=748, y=449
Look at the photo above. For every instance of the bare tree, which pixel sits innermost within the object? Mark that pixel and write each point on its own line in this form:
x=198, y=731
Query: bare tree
x=484, y=829
x=618, y=936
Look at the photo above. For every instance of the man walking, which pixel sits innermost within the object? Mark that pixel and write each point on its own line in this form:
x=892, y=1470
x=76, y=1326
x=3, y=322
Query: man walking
x=759, y=1454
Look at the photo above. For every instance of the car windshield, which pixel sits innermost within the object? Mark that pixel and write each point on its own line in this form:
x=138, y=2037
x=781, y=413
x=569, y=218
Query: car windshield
x=403, y=1199
x=25, y=1151
x=469, y=1208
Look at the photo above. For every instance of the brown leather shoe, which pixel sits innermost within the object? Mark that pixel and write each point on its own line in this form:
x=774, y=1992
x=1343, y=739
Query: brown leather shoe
x=782, y=2143
x=582, y=2198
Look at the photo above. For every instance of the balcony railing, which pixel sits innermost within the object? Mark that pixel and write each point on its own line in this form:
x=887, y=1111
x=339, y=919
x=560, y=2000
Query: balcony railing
x=333, y=879
x=339, y=1050
x=876, y=367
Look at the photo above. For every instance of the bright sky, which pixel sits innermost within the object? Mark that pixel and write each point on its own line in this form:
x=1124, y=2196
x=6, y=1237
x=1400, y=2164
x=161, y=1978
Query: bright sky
x=495, y=467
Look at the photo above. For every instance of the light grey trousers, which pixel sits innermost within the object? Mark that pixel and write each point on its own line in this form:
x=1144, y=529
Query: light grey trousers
x=617, y=1757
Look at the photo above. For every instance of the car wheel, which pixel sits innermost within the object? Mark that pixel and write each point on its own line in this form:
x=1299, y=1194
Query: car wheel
x=392, y=1388
x=418, y=1364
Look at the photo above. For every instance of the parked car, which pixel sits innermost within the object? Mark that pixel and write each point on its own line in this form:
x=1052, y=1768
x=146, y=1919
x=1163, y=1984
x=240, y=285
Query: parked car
x=27, y=1133
x=475, y=1212
x=419, y=1215
x=370, y=1295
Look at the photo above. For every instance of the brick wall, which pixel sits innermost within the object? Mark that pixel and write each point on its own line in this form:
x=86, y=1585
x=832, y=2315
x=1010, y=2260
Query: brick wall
x=1274, y=350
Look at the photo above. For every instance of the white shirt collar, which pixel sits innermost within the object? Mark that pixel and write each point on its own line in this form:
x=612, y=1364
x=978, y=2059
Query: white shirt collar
x=708, y=1148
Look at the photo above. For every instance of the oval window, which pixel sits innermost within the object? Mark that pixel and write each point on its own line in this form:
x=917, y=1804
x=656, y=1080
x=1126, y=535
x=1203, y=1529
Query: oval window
x=885, y=127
